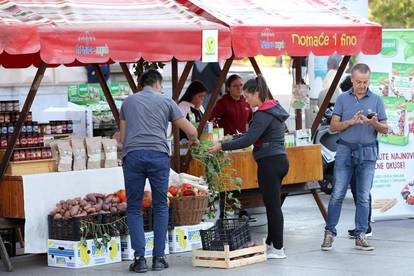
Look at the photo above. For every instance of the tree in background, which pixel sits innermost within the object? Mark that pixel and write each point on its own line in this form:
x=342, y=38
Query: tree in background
x=392, y=13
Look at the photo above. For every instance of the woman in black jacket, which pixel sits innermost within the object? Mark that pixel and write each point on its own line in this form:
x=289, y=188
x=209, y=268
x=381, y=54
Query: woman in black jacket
x=267, y=133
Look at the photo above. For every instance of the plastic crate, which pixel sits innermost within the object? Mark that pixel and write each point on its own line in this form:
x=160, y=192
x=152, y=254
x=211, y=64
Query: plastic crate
x=9, y=239
x=232, y=232
x=70, y=229
x=112, y=217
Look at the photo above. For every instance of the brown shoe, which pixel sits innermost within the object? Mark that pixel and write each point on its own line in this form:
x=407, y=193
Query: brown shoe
x=327, y=241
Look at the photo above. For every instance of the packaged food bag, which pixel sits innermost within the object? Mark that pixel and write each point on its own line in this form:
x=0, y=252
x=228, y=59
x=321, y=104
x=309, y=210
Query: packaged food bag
x=110, y=147
x=79, y=154
x=94, y=150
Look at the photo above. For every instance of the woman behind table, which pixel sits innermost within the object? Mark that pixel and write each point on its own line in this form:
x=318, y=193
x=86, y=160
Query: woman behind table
x=191, y=104
x=266, y=132
x=232, y=112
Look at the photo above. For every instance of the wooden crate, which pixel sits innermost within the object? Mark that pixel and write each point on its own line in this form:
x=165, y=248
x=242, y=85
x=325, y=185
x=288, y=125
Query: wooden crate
x=229, y=259
x=31, y=167
x=11, y=197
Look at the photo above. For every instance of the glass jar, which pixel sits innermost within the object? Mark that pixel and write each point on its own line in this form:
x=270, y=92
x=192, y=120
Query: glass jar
x=41, y=140
x=59, y=127
x=7, y=117
x=16, y=106
x=23, y=141
x=70, y=126
x=53, y=127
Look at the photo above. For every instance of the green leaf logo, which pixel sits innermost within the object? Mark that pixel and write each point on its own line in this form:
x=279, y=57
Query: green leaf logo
x=409, y=51
x=389, y=47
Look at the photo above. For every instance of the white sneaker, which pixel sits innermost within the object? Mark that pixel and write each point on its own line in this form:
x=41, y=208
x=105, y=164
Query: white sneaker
x=273, y=253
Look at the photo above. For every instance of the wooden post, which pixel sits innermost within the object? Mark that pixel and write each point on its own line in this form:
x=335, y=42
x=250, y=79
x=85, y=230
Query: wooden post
x=106, y=91
x=176, y=131
x=210, y=106
x=184, y=76
x=298, y=81
x=22, y=118
x=129, y=77
x=5, y=257
x=330, y=92
x=319, y=202
x=12, y=143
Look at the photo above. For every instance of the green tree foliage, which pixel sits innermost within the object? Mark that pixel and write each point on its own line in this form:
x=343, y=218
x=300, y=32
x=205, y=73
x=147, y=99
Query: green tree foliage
x=392, y=13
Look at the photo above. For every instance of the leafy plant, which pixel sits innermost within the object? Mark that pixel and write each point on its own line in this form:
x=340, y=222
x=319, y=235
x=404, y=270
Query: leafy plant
x=103, y=230
x=143, y=65
x=220, y=178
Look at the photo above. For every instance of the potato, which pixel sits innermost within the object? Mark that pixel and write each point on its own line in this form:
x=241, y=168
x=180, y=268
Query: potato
x=99, y=195
x=74, y=210
x=83, y=213
x=87, y=206
x=106, y=207
x=98, y=207
x=109, y=198
x=100, y=201
x=114, y=210
x=62, y=201
x=122, y=207
x=91, y=197
x=83, y=203
x=57, y=216
x=67, y=215
x=91, y=210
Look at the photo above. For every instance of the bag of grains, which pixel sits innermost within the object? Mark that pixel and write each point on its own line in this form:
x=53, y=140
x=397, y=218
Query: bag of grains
x=94, y=150
x=65, y=156
x=79, y=154
x=110, y=147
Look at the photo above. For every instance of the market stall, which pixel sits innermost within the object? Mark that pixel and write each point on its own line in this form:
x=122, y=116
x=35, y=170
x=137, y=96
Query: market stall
x=296, y=28
x=49, y=34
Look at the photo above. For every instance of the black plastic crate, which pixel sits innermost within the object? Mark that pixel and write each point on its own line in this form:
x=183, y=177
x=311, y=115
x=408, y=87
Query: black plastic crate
x=121, y=226
x=232, y=232
x=9, y=239
x=70, y=229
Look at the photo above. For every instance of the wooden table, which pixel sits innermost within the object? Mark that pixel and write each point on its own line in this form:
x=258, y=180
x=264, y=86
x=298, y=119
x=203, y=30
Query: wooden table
x=305, y=165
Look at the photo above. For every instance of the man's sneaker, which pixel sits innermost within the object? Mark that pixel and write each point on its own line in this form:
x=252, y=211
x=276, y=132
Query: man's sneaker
x=273, y=253
x=159, y=263
x=361, y=243
x=351, y=233
x=139, y=265
x=327, y=241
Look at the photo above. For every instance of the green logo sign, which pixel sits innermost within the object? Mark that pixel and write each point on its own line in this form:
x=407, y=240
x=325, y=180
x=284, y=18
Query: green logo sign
x=210, y=45
x=389, y=47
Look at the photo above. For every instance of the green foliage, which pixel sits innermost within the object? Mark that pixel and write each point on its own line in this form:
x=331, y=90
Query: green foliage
x=220, y=177
x=102, y=230
x=392, y=13
x=142, y=66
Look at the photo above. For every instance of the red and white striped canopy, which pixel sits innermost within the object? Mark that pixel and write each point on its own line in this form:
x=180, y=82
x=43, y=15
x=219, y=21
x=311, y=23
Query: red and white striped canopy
x=295, y=27
x=76, y=32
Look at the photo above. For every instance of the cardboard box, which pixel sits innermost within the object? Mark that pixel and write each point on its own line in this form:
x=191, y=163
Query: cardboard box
x=72, y=254
x=185, y=238
x=127, y=252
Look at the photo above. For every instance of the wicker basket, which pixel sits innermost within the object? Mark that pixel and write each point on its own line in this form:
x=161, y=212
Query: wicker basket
x=189, y=210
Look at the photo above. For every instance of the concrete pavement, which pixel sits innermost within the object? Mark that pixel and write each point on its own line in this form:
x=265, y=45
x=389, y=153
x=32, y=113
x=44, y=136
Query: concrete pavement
x=393, y=255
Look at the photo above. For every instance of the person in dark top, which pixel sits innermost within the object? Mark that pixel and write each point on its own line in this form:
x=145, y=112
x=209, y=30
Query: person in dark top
x=191, y=104
x=267, y=133
x=208, y=73
x=232, y=112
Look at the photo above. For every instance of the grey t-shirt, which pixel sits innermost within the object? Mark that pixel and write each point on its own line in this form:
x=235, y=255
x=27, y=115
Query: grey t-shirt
x=147, y=115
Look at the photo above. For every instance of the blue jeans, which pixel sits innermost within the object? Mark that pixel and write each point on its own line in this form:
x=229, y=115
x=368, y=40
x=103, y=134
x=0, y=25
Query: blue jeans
x=345, y=167
x=138, y=166
x=353, y=190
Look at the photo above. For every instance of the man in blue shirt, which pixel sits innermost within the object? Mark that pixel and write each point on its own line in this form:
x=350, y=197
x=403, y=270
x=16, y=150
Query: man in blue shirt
x=359, y=115
x=143, y=130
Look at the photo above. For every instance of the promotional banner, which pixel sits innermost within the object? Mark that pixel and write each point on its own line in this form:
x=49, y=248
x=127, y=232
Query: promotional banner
x=318, y=65
x=393, y=79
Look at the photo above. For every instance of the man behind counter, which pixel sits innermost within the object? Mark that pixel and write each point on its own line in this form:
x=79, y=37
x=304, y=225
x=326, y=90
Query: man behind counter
x=232, y=112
